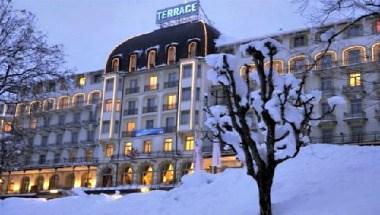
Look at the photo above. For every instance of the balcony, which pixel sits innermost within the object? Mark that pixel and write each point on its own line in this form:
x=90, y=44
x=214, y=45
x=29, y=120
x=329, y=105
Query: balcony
x=169, y=107
x=170, y=84
x=150, y=87
x=353, y=90
x=132, y=90
x=129, y=112
x=135, y=154
x=129, y=134
x=328, y=91
x=359, y=139
x=150, y=109
x=328, y=121
x=359, y=118
x=61, y=162
x=169, y=129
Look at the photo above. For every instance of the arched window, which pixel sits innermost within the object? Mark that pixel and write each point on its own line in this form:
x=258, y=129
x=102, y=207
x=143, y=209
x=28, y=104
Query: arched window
x=167, y=174
x=326, y=61
x=25, y=181
x=69, y=182
x=277, y=66
x=354, y=55
x=376, y=52
x=192, y=49
x=85, y=180
x=187, y=168
x=151, y=59
x=147, y=175
x=95, y=98
x=297, y=64
x=63, y=103
x=39, y=183
x=115, y=64
x=132, y=62
x=79, y=100
x=171, y=55
x=107, y=177
x=127, y=177
x=35, y=107
x=21, y=109
x=54, y=182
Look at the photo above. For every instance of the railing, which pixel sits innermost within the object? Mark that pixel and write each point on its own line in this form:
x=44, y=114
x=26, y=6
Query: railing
x=150, y=87
x=170, y=84
x=150, y=109
x=361, y=139
x=169, y=129
x=352, y=89
x=130, y=112
x=169, y=106
x=355, y=115
x=62, y=162
x=329, y=117
x=136, y=154
x=132, y=90
x=129, y=134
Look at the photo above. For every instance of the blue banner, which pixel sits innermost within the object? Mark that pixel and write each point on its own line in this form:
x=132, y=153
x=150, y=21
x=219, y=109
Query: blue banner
x=149, y=131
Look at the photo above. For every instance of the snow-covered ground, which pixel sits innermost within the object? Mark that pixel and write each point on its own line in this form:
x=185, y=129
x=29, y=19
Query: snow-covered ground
x=322, y=180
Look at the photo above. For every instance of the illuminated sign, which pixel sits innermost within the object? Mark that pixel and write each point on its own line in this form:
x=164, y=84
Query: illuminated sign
x=177, y=12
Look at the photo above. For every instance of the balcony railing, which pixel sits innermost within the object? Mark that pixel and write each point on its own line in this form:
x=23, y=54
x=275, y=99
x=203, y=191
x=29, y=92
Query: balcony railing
x=132, y=90
x=150, y=109
x=353, y=89
x=139, y=154
x=151, y=87
x=130, y=112
x=169, y=106
x=355, y=115
x=329, y=117
x=62, y=162
x=362, y=139
x=129, y=134
x=170, y=84
x=169, y=129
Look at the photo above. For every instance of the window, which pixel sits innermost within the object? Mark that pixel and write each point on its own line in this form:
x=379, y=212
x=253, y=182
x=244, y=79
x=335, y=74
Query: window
x=106, y=127
x=132, y=62
x=277, y=66
x=149, y=124
x=326, y=61
x=355, y=80
x=168, y=144
x=151, y=59
x=192, y=49
x=170, y=124
x=172, y=77
x=376, y=52
x=58, y=139
x=196, y=117
x=96, y=79
x=44, y=141
x=90, y=135
x=147, y=146
x=42, y=159
x=63, y=103
x=189, y=143
x=109, y=150
x=167, y=174
x=50, y=87
x=354, y=56
x=117, y=105
x=187, y=71
x=128, y=147
x=151, y=102
x=197, y=94
x=299, y=41
x=132, y=108
x=109, y=84
x=54, y=182
x=354, y=31
x=377, y=26
x=116, y=127
x=81, y=81
x=33, y=123
x=77, y=117
x=171, y=55
x=89, y=154
x=326, y=84
x=48, y=104
x=108, y=105
x=147, y=175
x=74, y=137
x=153, y=85
x=95, y=98
x=357, y=134
x=171, y=101
x=185, y=117
x=57, y=157
x=186, y=94
x=356, y=106
x=7, y=127
x=35, y=107
x=128, y=175
x=61, y=119
x=133, y=86
x=79, y=100
x=46, y=121
x=131, y=126
x=115, y=64
x=298, y=64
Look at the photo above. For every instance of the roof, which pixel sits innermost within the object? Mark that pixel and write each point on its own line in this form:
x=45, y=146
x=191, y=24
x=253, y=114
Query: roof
x=160, y=39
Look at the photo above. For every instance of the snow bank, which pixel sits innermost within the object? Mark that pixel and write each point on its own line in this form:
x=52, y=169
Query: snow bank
x=323, y=179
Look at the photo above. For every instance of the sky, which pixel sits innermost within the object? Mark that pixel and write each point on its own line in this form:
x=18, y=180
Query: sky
x=90, y=29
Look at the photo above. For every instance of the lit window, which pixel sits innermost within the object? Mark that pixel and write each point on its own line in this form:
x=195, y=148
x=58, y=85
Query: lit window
x=153, y=83
x=188, y=168
x=63, y=103
x=277, y=66
x=132, y=62
x=376, y=52
x=131, y=126
x=168, y=144
x=89, y=154
x=127, y=175
x=168, y=174
x=115, y=64
x=355, y=80
x=128, y=148
x=171, y=55
x=192, y=49
x=171, y=102
x=7, y=127
x=189, y=143
x=109, y=150
x=151, y=59
x=117, y=105
x=81, y=81
x=147, y=175
x=33, y=123
x=108, y=105
x=377, y=26
x=147, y=146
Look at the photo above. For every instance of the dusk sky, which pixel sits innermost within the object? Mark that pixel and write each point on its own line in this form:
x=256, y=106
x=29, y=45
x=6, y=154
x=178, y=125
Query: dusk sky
x=90, y=29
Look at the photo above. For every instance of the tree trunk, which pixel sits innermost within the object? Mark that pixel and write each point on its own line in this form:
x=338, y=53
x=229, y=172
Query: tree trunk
x=264, y=184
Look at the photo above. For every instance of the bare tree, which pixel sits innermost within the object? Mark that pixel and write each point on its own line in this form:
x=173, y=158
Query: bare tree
x=278, y=108
x=27, y=62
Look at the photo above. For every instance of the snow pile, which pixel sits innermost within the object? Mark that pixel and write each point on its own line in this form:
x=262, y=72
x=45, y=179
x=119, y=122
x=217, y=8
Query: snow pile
x=323, y=179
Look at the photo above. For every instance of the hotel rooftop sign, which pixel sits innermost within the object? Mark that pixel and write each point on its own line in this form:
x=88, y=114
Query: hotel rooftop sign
x=177, y=12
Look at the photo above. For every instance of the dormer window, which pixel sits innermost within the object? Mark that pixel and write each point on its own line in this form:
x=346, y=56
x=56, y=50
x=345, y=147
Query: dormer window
x=115, y=64
x=151, y=59
x=132, y=62
x=171, y=55
x=299, y=41
x=192, y=49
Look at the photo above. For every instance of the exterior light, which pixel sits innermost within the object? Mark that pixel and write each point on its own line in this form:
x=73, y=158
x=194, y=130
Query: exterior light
x=53, y=191
x=144, y=189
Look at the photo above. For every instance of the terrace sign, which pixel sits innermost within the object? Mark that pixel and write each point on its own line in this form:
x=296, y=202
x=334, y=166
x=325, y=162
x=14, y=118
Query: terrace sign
x=177, y=12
